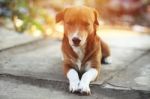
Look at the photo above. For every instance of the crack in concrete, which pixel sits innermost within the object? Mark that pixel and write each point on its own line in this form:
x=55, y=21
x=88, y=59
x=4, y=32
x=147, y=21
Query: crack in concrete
x=61, y=85
x=120, y=87
x=97, y=91
x=37, y=82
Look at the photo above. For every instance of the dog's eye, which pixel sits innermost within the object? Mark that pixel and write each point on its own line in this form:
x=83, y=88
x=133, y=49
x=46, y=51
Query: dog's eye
x=86, y=24
x=69, y=23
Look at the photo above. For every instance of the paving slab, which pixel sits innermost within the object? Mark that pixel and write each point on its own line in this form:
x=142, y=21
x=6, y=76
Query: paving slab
x=10, y=38
x=135, y=76
x=120, y=59
x=41, y=60
x=12, y=87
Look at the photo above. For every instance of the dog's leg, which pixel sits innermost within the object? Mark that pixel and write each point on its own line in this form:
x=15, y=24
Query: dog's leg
x=105, y=52
x=74, y=80
x=87, y=77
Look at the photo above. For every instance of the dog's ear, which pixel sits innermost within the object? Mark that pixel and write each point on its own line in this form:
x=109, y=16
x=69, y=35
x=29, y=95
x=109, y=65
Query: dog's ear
x=96, y=14
x=60, y=16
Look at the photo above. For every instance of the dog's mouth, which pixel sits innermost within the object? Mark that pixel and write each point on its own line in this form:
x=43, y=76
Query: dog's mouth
x=76, y=45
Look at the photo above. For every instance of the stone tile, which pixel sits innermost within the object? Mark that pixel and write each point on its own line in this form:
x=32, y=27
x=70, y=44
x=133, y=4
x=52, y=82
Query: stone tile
x=42, y=61
x=120, y=59
x=135, y=76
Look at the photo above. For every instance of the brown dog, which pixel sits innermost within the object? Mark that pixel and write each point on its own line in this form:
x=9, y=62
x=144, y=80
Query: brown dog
x=82, y=49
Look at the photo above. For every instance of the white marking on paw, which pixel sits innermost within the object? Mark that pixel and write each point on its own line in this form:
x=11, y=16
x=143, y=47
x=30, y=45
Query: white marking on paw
x=84, y=88
x=73, y=77
x=74, y=86
x=108, y=59
x=87, y=77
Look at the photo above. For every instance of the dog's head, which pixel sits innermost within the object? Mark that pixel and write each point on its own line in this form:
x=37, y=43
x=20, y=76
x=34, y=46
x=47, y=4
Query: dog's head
x=79, y=23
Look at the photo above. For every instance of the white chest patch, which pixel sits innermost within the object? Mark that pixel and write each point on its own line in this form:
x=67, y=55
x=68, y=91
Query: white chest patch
x=79, y=63
x=80, y=52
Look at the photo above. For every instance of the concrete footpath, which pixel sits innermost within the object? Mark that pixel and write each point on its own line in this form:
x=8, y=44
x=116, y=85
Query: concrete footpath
x=30, y=68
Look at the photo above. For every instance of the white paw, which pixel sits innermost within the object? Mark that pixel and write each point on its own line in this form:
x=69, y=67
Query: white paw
x=109, y=60
x=74, y=86
x=84, y=89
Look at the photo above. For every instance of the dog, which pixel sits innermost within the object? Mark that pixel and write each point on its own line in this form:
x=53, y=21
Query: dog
x=82, y=49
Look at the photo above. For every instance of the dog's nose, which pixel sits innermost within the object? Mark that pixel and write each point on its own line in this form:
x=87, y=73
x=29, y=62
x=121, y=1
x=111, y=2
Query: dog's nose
x=76, y=40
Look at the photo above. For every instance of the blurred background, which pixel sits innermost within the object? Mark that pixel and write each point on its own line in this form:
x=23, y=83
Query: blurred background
x=37, y=17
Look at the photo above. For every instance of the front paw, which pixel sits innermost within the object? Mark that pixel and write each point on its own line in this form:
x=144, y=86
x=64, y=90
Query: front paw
x=84, y=89
x=74, y=86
